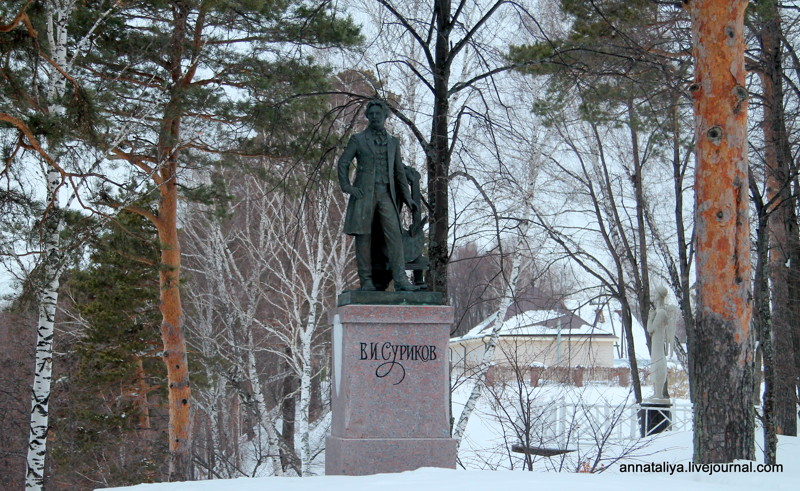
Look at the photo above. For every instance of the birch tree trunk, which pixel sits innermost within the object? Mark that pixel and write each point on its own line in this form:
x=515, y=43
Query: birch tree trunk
x=266, y=420
x=507, y=299
x=222, y=264
x=488, y=352
x=56, y=18
x=43, y=368
x=303, y=421
x=722, y=358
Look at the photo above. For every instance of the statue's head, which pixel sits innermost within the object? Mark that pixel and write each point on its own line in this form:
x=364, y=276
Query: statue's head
x=661, y=294
x=376, y=113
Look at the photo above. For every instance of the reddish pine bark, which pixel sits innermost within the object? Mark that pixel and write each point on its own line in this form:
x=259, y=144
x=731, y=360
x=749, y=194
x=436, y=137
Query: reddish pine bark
x=172, y=330
x=722, y=355
x=180, y=422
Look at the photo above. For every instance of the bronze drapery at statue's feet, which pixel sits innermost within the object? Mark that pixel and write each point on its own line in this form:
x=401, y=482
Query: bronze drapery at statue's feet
x=405, y=286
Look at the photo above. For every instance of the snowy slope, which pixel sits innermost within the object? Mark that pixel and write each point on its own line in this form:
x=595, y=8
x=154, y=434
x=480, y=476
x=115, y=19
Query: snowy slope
x=676, y=448
x=670, y=447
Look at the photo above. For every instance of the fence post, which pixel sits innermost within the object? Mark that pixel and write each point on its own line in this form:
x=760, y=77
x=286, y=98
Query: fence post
x=577, y=376
x=536, y=373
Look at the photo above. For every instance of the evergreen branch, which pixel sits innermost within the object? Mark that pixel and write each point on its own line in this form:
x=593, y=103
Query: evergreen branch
x=12, y=155
x=123, y=68
x=138, y=259
x=143, y=212
x=138, y=162
x=33, y=142
x=197, y=44
x=207, y=149
x=60, y=70
x=21, y=18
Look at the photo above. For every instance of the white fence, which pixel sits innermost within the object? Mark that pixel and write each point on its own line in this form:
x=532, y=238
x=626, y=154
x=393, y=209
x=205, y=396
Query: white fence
x=561, y=423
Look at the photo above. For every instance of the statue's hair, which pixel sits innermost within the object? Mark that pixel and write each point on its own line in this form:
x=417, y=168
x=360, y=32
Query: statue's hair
x=378, y=102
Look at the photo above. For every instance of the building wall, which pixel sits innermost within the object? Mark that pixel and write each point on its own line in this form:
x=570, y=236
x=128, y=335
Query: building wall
x=545, y=350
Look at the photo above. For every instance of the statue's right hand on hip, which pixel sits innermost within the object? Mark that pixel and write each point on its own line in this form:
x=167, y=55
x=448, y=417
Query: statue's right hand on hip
x=358, y=193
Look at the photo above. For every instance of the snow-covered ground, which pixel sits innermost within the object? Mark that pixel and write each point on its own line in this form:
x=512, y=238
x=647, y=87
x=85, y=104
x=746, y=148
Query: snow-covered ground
x=595, y=411
x=675, y=448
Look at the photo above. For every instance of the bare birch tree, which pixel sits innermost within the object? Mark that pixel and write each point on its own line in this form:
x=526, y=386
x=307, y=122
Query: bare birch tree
x=519, y=257
x=279, y=259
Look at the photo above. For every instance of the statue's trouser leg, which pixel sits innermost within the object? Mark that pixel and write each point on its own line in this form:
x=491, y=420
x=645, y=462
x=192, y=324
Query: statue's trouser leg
x=364, y=259
x=390, y=223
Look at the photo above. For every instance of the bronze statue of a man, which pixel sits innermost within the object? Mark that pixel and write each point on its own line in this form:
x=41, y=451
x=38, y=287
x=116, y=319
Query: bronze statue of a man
x=374, y=203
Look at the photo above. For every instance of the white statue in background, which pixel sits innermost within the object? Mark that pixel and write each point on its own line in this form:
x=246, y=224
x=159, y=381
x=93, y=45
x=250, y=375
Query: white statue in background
x=661, y=327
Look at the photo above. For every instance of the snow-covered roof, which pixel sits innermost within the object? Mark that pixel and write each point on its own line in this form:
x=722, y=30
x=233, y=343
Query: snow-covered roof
x=611, y=321
x=536, y=323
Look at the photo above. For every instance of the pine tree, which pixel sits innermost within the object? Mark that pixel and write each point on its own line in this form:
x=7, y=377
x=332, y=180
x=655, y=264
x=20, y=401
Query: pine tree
x=112, y=395
x=722, y=358
x=784, y=241
x=203, y=82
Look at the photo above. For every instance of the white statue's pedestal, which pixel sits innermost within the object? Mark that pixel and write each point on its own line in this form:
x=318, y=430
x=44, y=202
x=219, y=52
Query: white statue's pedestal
x=656, y=415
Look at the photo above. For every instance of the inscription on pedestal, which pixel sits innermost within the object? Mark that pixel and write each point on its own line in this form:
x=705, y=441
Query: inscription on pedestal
x=392, y=357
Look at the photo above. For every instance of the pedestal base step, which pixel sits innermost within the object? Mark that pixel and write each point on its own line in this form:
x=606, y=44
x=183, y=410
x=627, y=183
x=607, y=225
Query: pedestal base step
x=359, y=457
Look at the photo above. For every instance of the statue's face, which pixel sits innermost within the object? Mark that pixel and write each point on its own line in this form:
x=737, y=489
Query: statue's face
x=376, y=117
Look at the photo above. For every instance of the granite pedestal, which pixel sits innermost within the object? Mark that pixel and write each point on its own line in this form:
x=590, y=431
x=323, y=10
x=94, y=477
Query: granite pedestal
x=389, y=389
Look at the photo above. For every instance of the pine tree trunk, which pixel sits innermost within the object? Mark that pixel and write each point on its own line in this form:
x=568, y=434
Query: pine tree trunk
x=172, y=336
x=782, y=222
x=180, y=417
x=722, y=357
x=141, y=403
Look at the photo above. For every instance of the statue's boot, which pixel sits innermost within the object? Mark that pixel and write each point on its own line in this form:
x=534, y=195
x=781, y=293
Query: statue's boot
x=364, y=263
x=367, y=285
x=401, y=283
